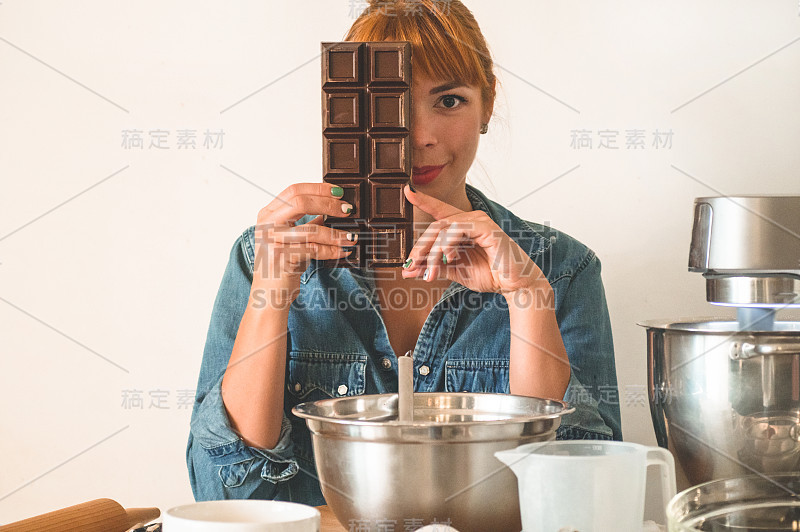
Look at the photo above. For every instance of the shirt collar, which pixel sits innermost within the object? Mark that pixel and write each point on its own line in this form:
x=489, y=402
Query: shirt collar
x=478, y=201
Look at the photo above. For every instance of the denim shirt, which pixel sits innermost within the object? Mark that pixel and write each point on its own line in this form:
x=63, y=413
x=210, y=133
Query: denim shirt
x=337, y=345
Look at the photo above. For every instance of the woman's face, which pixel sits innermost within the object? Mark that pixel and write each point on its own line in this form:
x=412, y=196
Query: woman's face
x=446, y=118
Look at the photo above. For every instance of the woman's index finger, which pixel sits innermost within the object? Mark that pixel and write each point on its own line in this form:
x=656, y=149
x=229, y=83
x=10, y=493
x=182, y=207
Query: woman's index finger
x=326, y=190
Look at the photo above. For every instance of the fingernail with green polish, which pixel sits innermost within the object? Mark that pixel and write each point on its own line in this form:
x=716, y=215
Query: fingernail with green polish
x=407, y=263
x=411, y=187
x=347, y=208
x=337, y=192
x=444, y=259
x=426, y=274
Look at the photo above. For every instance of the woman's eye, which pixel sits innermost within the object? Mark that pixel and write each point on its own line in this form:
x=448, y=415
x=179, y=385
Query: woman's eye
x=451, y=101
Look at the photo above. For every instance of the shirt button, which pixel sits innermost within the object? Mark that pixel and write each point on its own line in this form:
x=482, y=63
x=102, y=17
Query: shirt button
x=386, y=363
x=297, y=387
x=342, y=389
x=424, y=370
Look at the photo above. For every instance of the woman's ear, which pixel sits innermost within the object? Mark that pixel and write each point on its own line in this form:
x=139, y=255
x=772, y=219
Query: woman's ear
x=489, y=109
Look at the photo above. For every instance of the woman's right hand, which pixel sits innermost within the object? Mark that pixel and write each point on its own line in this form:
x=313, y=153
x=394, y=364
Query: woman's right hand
x=282, y=250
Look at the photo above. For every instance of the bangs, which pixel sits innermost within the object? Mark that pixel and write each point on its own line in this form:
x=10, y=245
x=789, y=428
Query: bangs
x=439, y=49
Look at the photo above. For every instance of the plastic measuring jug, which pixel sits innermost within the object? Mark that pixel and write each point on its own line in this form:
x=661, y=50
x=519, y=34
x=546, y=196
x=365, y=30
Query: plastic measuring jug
x=586, y=486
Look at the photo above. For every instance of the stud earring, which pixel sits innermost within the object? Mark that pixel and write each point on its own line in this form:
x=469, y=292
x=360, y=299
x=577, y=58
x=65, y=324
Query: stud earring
x=484, y=129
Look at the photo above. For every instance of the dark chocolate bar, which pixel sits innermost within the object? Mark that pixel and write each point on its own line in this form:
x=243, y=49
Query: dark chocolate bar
x=366, y=113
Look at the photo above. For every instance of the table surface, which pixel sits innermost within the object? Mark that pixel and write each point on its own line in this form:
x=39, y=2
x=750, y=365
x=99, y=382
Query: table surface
x=329, y=522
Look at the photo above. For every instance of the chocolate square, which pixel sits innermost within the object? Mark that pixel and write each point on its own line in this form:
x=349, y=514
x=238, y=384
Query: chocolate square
x=342, y=63
x=390, y=157
x=388, y=110
x=343, y=111
x=388, y=201
x=388, y=244
x=343, y=156
x=390, y=63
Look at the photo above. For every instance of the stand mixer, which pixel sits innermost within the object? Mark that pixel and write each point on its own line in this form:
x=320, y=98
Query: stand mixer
x=725, y=395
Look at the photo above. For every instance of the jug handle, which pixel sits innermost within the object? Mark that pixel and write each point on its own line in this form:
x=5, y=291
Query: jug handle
x=663, y=459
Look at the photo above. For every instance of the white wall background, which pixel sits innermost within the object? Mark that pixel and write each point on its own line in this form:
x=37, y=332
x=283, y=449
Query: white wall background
x=110, y=258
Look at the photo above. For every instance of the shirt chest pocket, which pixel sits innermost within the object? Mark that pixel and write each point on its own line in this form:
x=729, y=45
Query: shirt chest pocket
x=484, y=375
x=314, y=375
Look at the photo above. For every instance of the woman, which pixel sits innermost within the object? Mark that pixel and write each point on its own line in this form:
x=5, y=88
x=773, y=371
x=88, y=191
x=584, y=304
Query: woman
x=487, y=302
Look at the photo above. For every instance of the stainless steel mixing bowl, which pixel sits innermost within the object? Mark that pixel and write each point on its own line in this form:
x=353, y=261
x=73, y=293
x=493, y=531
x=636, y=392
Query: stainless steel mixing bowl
x=441, y=467
x=749, y=504
x=725, y=402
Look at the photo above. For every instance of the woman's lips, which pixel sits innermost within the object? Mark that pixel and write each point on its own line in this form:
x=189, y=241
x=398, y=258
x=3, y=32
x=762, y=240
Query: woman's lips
x=422, y=175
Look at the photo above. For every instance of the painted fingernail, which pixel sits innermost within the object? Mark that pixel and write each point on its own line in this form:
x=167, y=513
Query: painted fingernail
x=347, y=208
x=426, y=274
x=348, y=249
x=407, y=263
x=411, y=187
x=444, y=259
x=352, y=237
x=337, y=192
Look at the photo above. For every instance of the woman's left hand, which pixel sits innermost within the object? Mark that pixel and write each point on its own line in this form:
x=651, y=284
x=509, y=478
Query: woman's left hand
x=470, y=249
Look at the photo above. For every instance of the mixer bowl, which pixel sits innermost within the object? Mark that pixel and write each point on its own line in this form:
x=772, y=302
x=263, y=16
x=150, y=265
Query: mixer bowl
x=441, y=467
x=725, y=401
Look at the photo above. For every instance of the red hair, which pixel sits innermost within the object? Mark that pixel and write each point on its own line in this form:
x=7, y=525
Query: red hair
x=446, y=41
